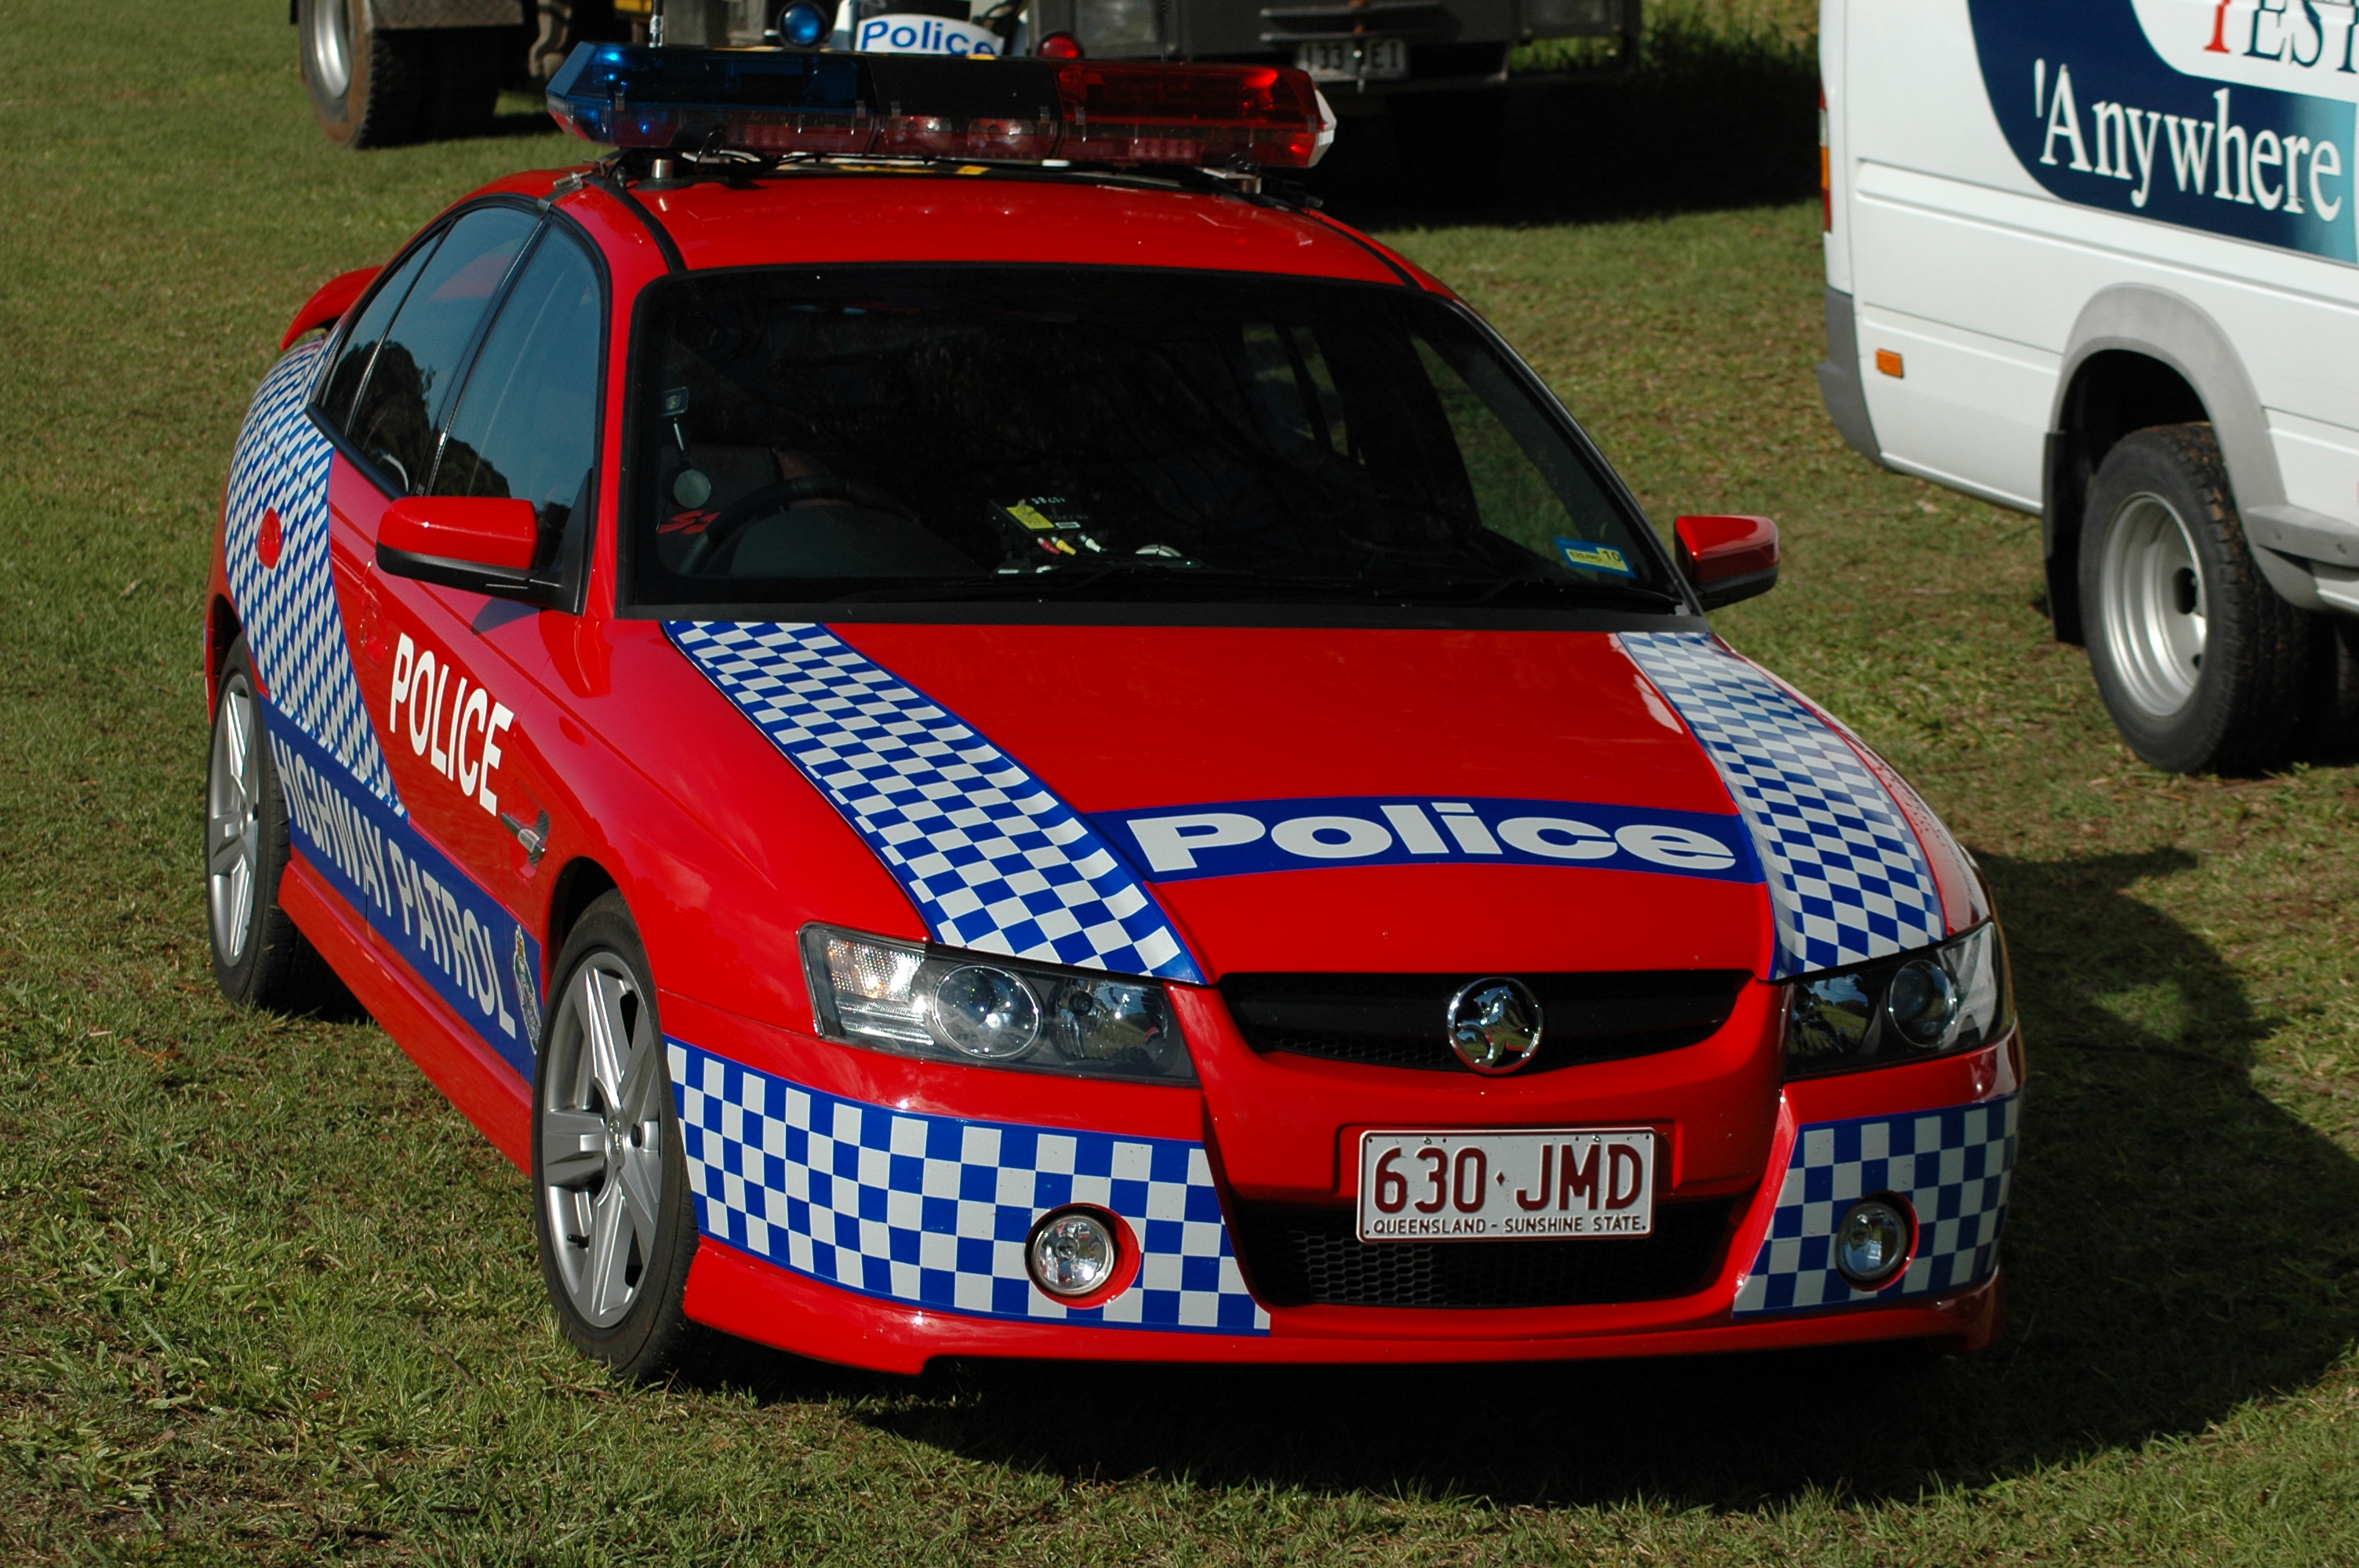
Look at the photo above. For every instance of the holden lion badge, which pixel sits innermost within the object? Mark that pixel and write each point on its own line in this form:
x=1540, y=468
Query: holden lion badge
x=1495, y=1026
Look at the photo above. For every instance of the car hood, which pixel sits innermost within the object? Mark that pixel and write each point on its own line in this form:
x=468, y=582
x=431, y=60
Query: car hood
x=1202, y=801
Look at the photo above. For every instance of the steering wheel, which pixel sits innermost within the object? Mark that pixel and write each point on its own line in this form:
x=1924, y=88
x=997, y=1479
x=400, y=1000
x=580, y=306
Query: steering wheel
x=723, y=531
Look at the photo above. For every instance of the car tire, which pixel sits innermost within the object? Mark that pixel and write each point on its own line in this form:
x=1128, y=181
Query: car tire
x=260, y=959
x=2200, y=661
x=612, y=1214
x=369, y=86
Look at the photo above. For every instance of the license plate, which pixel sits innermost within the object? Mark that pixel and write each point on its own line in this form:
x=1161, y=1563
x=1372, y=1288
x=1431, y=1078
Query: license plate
x=1354, y=59
x=1493, y=1186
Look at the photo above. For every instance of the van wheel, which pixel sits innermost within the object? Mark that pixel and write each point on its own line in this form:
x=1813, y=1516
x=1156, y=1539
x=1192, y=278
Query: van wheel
x=260, y=958
x=613, y=1214
x=2199, y=661
x=368, y=87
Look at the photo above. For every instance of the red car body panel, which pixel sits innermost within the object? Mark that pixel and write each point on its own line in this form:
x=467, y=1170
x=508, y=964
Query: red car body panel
x=652, y=780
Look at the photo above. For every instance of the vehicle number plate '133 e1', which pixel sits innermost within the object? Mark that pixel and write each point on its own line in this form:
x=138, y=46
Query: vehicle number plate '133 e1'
x=1477, y=1186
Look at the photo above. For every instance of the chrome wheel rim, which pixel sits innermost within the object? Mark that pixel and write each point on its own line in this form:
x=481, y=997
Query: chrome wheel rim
x=332, y=46
x=602, y=1139
x=232, y=822
x=2152, y=598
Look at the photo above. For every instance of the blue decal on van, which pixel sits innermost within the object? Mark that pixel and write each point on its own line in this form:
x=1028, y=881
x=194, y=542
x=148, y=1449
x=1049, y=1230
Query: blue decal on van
x=2097, y=116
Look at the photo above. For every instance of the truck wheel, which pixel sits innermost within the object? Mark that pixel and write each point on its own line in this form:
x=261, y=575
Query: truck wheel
x=368, y=87
x=614, y=1218
x=2199, y=661
x=260, y=958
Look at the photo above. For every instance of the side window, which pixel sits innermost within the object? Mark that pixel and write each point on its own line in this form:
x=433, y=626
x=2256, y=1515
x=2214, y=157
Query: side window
x=359, y=345
x=527, y=425
x=401, y=400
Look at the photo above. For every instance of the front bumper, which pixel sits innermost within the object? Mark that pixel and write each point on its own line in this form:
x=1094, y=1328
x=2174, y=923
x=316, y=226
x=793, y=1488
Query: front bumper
x=872, y=1211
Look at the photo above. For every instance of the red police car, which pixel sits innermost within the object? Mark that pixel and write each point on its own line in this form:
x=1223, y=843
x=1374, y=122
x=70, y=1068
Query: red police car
x=972, y=734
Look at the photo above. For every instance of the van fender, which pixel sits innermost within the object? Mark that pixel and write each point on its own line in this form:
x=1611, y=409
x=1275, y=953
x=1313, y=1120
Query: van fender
x=2141, y=319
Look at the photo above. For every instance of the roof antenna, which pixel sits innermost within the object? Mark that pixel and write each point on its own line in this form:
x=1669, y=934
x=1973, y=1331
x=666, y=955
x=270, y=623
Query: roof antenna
x=654, y=24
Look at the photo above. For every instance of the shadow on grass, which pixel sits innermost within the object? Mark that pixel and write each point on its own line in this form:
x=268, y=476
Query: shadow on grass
x=2177, y=1244
x=1706, y=124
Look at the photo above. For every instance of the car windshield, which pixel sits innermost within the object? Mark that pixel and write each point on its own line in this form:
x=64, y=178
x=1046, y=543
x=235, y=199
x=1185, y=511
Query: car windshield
x=944, y=435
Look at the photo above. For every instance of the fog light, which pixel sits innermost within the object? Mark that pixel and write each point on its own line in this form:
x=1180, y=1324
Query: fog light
x=1073, y=1253
x=1871, y=1242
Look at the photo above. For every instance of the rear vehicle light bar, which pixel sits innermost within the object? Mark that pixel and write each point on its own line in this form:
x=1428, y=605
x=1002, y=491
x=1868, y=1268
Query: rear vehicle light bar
x=774, y=101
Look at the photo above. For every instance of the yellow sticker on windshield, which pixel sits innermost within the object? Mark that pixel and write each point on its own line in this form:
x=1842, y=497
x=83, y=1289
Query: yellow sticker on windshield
x=1594, y=557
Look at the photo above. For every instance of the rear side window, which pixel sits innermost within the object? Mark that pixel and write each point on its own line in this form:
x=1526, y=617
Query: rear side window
x=527, y=425
x=359, y=346
x=401, y=402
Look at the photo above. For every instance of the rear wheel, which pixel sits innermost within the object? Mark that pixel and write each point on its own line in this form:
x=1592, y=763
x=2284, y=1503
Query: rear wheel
x=2199, y=661
x=369, y=86
x=612, y=1213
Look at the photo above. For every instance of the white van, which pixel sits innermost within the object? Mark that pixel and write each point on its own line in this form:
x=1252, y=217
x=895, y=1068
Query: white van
x=2099, y=260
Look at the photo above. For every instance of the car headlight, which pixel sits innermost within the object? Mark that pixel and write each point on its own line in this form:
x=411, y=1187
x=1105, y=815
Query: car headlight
x=946, y=1005
x=1935, y=1001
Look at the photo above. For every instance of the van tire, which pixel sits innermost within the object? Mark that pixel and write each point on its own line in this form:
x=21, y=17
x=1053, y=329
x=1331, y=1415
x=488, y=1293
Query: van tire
x=2198, y=660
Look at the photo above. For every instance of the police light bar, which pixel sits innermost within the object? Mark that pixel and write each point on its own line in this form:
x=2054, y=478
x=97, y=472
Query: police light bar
x=1024, y=109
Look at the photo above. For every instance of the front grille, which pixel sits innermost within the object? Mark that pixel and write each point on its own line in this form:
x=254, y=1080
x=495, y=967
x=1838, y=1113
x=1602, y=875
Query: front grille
x=1307, y=1257
x=1397, y=1021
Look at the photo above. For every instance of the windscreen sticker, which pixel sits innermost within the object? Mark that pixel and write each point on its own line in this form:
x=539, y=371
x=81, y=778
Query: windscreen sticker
x=992, y=858
x=2231, y=116
x=1246, y=838
x=475, y=955
x=1594, y=557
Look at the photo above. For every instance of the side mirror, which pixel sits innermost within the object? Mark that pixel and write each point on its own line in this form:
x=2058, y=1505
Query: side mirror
x=482, y=544
x=1727, y=559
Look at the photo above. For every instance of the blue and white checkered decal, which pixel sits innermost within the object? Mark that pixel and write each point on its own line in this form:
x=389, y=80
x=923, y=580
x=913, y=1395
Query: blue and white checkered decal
x=989, y=856
x=288, y=609
x=1847, y=875
x=934, y=1210
x=1954, y=1166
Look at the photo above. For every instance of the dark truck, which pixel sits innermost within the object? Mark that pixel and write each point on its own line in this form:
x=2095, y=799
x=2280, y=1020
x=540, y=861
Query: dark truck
x=382, y=71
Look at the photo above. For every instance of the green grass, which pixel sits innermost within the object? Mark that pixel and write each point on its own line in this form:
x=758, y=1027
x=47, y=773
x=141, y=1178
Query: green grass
x=264, y=1296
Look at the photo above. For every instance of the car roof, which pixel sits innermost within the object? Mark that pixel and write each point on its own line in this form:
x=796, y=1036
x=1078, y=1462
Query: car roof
x=828, y=215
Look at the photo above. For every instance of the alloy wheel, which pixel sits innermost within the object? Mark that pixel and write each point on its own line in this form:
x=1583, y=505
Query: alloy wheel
x=233, y=820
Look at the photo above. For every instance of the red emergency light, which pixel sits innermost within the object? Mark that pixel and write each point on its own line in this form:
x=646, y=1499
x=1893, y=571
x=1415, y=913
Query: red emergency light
x=1020, y=110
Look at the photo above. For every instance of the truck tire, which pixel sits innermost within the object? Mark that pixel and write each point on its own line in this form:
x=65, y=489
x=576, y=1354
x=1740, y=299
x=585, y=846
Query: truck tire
x=368, y=87
x=2199, y=661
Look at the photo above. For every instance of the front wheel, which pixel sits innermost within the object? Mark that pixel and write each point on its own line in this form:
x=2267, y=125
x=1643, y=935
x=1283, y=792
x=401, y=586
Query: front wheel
x=612, y=1213
x=2198, y=659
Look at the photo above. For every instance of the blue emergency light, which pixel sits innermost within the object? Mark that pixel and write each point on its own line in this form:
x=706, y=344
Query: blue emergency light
x=819, y=103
